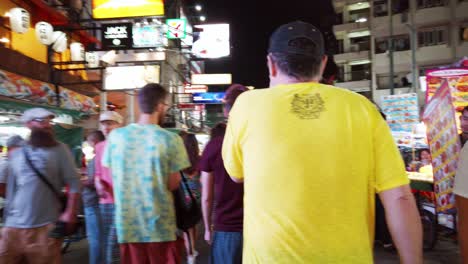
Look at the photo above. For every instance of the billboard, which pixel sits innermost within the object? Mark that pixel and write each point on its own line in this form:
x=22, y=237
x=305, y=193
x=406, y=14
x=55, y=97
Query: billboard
x=116, y=36
x=148, y=36
x=208, y=98
x=130, y=77
x=209, y=79
x=110, y=9
x=211, y=41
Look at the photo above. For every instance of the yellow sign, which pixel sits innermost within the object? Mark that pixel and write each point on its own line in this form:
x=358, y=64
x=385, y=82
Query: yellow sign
x=106, y=9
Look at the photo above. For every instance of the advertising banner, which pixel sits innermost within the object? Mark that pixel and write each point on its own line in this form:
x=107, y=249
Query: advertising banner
x=117, y=36
x=211, y=41
x=402, y=111
x=130, y=77
x=19, y=87
x=444, y=144
x=208, y=98
x=457, y=79
x=109, y=9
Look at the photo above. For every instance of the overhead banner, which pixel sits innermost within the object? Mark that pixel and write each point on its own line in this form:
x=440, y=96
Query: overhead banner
x=457, y=79
x=117, y=36
x=211, y=41
x=130, y=77
x=109, y=9
x=19, y=87
x=402, y=111
x=444, y=144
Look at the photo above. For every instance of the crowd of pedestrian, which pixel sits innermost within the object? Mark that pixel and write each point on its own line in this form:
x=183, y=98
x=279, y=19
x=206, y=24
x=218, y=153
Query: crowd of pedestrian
x=291, y=177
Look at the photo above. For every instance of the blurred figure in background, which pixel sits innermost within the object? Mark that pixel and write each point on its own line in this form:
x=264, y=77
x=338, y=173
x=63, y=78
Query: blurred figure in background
x=91, y=205
x=35, y=222
x=226, y=195
x=109, y=120
x=461, y=191
x=13, y=143
x=192, y=175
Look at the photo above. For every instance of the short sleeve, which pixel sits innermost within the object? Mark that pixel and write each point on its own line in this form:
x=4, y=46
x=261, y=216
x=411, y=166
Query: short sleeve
x=68, y=170
x=178, y=159
x=389, y=166
x=461, y=178
x=103, y=155
x=232, y=149
x=207, y=158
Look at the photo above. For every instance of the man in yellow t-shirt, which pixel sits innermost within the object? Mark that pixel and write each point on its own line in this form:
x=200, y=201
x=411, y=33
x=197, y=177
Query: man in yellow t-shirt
x=312, y=157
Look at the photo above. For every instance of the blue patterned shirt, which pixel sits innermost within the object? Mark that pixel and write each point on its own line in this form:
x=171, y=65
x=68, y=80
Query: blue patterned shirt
x=141, y=158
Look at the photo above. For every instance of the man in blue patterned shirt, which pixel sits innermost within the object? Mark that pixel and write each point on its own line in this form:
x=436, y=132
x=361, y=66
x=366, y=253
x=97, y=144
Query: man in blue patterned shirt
x=145, y=161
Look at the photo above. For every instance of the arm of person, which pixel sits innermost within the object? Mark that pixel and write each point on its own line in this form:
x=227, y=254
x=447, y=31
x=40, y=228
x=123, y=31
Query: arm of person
x=174, y=181
x=404, y=223
x=72, y=180
x=232, y=150
x=207, y=202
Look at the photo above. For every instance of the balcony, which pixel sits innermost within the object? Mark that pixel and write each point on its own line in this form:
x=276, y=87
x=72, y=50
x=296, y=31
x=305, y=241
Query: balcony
x=462, y=10
x=356, y=51
x=350, y=27
x=357, y=81
x=433, y=15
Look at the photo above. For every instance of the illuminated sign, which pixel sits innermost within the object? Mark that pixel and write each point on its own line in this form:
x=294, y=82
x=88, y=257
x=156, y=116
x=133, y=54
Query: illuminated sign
x=107, y=9
x=195, y=88
x=148, y=36
x=211, y=41
x=117, y=36
x=176, y=28
x=208, y=79
x=208, y=98
x=130, y=77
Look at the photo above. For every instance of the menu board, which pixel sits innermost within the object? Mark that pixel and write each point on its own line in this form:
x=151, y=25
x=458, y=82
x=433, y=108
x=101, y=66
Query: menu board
x=444, y=144
x=457, y=79
x=401, y=110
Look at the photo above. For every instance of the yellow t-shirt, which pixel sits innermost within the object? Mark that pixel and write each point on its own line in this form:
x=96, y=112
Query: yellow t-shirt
x=312, y=158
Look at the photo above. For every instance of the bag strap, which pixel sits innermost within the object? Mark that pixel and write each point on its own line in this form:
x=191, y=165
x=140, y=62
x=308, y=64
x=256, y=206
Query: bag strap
x=41, y=176
x=185, y=184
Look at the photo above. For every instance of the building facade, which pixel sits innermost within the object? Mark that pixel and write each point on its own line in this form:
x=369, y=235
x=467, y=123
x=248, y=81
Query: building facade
x=438, y=28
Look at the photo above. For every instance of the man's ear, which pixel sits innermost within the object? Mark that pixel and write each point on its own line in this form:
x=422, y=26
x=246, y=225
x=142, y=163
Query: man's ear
x=323, y=65
x=272, y=69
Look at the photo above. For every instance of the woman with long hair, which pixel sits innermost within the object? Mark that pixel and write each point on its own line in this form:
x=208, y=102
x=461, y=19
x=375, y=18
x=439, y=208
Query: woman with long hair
x=192, y=174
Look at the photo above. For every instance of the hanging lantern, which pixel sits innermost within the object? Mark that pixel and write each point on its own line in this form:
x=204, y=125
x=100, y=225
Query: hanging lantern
x=19, y=20
x=77, y=51
x=44, y=32
x=59, y=41
x=92, y=59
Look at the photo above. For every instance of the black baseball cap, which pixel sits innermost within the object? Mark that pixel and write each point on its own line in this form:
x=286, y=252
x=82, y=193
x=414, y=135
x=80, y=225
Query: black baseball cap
x=280, y=40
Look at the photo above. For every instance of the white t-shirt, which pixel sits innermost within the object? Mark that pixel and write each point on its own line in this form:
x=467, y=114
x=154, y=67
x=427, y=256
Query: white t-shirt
x=461, y=178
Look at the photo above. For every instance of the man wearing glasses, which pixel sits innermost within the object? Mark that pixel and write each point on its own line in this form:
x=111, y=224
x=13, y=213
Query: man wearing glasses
x=32, y=205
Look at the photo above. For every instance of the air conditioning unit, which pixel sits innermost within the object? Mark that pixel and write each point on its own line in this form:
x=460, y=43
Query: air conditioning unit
x=354, y=48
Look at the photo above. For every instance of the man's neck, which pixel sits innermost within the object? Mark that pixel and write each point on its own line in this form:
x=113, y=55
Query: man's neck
x=149, y=119
x=284, y=79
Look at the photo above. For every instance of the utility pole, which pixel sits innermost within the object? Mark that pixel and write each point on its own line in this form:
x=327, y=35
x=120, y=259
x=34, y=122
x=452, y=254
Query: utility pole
x=390, y=48
x=414, y=67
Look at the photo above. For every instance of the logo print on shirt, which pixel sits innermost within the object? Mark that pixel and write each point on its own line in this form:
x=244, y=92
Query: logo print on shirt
x=307, y=106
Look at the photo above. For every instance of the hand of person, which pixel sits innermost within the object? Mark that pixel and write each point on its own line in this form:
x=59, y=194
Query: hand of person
x=100, y=189
x=70, y=221
x=208, y=236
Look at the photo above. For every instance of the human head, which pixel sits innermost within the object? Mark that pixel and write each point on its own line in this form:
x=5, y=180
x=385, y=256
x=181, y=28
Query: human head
x=95, y=137
x=231, y=96
x=39, y=121
x=464, y=120
x=425, y=155
x=296, y=53
x=14, y=142
x=152, y=99
x=191, y=145
x=218, y=130
x=110, y=120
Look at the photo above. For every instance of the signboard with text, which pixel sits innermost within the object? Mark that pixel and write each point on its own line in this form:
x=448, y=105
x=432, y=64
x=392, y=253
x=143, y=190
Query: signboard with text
x=444, y=144
x=117, y=36
x=401, y=110
x=108, y=9
x=176, y=28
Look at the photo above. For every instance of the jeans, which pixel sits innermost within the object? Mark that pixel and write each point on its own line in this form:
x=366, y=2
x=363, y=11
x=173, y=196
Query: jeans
x=109, y=235
x=227, y=248
x=93, y=232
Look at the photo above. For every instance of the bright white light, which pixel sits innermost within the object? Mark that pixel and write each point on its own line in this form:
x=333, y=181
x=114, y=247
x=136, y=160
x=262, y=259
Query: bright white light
x=4, y=40
x=202, y=18
x=7, y=14
x=4, y=118
x=198, y=7
x=361, y=20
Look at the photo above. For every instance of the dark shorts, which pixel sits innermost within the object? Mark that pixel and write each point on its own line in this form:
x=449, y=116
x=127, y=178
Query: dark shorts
x=227, y=248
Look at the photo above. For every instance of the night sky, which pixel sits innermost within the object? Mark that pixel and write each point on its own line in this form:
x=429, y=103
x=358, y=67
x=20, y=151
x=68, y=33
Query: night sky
x=251, y=23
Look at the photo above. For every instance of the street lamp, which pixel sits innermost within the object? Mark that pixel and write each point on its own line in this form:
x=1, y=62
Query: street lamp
x=198, y=8
x=203, y=18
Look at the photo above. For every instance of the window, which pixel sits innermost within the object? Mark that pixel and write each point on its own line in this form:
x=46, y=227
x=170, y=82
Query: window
x=432, y=36
x=360, y=44
x=400, y=43
x=340, y=46
x=398, y=6
x=380, y=8
x=359, y=15
x=431, y=3
x=463, y=33
x=339, y=19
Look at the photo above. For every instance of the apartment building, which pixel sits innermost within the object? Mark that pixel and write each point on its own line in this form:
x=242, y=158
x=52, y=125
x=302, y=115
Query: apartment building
x=439, y=29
